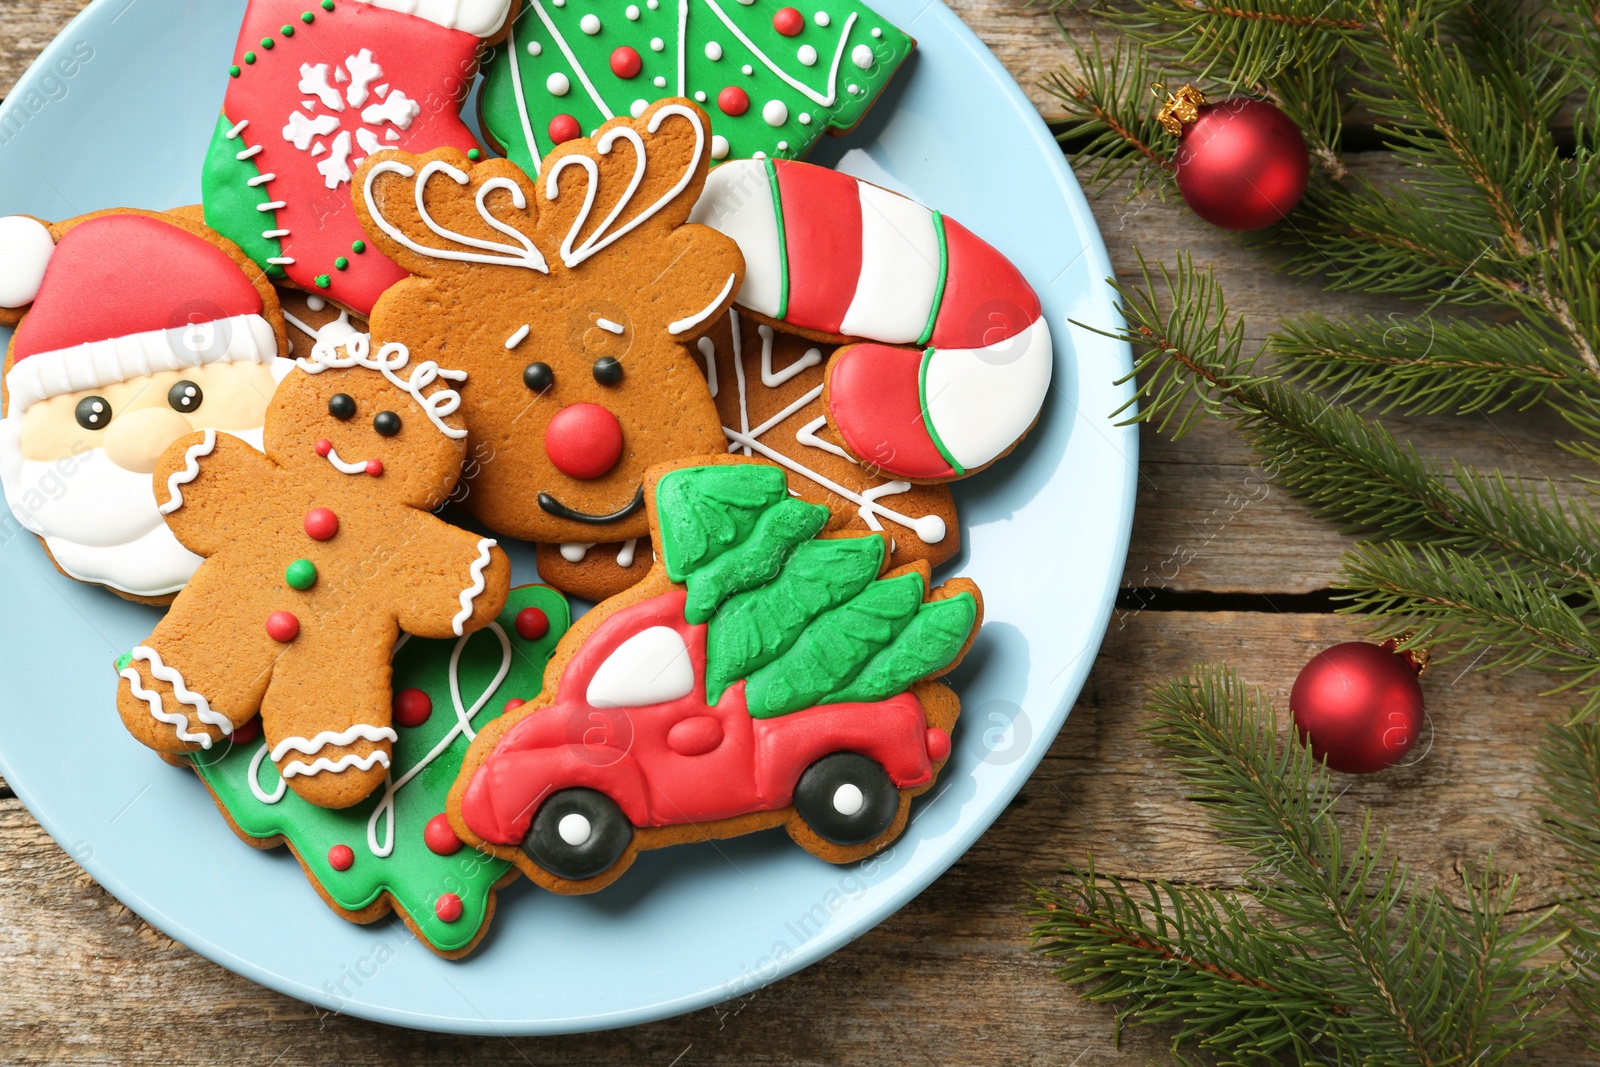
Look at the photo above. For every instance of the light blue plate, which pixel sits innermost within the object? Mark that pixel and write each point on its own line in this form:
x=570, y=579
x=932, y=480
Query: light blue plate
x=1045, y=535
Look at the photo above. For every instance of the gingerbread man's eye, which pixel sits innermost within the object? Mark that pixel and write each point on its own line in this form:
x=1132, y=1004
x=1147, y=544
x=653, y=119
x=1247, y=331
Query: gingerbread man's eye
x=607, y=371
x=538, y=377
x=342, y=406
x=93, y=413
x=185, y=397
x=387, y=423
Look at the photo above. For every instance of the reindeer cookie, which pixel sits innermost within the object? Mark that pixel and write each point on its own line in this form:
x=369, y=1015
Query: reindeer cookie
x=318, y=555
x=574, y=302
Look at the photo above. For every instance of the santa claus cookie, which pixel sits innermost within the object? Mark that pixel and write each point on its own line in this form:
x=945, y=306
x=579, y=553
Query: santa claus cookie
x=574, y=302
x=761, y=676
x=956, y=358
x=134, y=328
x=318, y=555
x=311, y=93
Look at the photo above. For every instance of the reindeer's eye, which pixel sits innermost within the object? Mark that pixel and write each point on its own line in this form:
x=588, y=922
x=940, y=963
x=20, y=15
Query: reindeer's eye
x=93, y=413
x=607, y=371
x=342, y=406
x=538, y=377
x=185, y=396
x=387, y=423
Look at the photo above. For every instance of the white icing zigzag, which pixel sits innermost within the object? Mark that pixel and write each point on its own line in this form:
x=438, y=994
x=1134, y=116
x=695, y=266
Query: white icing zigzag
x=343, y=763
x=310, y=746
x=391, y=358
x=522, y=254
x=470, y=593
x=190, y=471
x=185, y=695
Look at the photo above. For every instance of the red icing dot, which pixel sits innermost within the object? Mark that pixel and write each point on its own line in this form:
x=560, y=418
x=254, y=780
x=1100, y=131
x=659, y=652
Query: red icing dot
x=514, y=703
x=733, y=100
x=532, y=624
x=441, y=838
x=448, y=907
x=625, y=62
x=323, y=447
x=321, y=524
x=412, y=707
x=248, y=732
x=788, y=22
x=283, y=626
x=564, y=128
x=341, y=858
x=583, y=440
x=375, y=467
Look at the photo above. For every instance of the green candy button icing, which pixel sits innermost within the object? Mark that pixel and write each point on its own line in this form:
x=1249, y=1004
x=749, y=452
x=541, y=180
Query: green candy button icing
x=302, y=574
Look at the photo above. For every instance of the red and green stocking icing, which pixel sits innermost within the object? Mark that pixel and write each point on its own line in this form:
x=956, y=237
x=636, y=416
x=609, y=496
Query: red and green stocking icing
x=442, y=887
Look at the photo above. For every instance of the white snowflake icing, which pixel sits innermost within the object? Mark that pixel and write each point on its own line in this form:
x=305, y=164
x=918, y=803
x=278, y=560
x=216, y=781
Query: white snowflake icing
x=346, y=127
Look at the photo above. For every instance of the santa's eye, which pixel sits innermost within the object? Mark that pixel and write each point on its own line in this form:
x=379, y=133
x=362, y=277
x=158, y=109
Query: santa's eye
x=185, y=396
x=607, y=371
x=538, y=377
x=387, y=423
x=93, y=413
x=342, y=406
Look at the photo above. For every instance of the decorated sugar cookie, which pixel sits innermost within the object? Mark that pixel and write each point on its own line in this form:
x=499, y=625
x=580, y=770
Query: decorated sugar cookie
x=318, y=555
x=957, y=358
x=760, y=676
x=574, y=301
x=134, y=328
x=312, y=91
x=396, y=850
x=774, y=78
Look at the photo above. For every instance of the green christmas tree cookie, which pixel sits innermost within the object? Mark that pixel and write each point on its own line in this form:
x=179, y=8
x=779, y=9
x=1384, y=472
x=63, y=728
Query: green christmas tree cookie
x=395, y=850
x=773, y=78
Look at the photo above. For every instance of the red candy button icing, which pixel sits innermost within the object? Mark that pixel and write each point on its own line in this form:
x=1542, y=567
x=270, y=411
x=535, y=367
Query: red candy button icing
x=788, y=22
x=625, y=62
x=583, y=440
x=375, y=467
x=564, y=128
x=532, y=624
x=441, y=839
x=514, y=703
x=412, y=707
x=323, y=447
x=283, y=626
x=448, y=908
x=247, y=733
x=733, y=101
x=340, y=858
x=321, y=524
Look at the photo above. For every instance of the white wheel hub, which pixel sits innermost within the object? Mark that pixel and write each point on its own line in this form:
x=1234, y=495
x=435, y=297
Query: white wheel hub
x=574, y=829
x=848, y=799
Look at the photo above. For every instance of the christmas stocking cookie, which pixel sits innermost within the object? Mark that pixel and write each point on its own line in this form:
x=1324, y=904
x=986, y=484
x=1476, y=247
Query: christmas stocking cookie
x=312, y=92
x=318, y=555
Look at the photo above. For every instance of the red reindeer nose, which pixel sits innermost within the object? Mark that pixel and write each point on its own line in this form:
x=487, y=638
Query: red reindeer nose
x=583, y=440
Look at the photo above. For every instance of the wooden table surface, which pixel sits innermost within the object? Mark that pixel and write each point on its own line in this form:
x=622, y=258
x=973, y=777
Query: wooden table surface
x=1223, y=567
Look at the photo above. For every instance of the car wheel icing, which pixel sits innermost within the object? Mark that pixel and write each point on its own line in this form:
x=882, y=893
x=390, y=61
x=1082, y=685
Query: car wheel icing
x=846, y=798
x=578, y=834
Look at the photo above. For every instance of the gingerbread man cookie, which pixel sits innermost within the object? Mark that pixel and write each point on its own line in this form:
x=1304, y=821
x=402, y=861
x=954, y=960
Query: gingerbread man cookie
x=318, y=555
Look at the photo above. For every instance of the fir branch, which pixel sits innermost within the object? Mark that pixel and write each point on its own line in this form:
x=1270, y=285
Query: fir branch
x=1110, y=118
x=1569, y=762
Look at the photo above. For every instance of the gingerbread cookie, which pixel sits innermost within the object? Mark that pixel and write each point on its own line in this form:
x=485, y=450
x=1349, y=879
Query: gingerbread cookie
x=760, y=676
x=595, y=571
x=317, y=555
x=958, y=354
x=574, y=302
x=134, y=328
x=311, y=319
x=396, y=850
x=311, y=93
x=774, y=78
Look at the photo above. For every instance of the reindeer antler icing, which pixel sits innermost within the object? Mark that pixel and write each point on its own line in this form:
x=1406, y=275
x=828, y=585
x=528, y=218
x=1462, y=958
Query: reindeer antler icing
x=521, y=254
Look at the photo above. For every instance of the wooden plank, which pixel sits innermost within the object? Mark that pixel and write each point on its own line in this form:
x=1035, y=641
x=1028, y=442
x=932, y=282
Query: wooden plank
x=946, y=980
x=29, y=26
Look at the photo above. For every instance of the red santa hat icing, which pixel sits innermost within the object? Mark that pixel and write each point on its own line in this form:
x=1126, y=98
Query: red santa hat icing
x=481, y=18
x=122, y=297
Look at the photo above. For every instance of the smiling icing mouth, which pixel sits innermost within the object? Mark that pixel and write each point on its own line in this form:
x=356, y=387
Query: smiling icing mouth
x=373, y=467
x=554, y=507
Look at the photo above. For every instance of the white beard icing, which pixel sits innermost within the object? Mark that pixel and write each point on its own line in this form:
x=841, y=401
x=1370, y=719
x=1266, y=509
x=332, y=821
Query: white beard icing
x=99, y=521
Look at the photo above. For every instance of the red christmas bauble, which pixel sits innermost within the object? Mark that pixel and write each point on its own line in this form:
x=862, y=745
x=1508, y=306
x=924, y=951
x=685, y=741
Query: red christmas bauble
x=1241, y=164
x=1359, y=706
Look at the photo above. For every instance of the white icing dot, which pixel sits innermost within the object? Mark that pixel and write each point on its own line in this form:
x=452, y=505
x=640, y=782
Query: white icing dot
x=783, y=146
x=575, y=829
x=652, y=4
x=747, y=3
x=534, y=48
x=821, y=18
x=590, y=24
x=748, y=69
x=758, y=155
x=805, y=118
x=862, y=57
x=847, y=800
x=632, y=12
x=559, y=3
x=807, y=55
x=657, y=44
x=853, y=88
x=713, y=51
x=876, y=32
x=316, y=303
x=700, y=95
x=775, y=112
x=719, y=146
x=558, y=84
x=638, y=108
x=661, y=83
